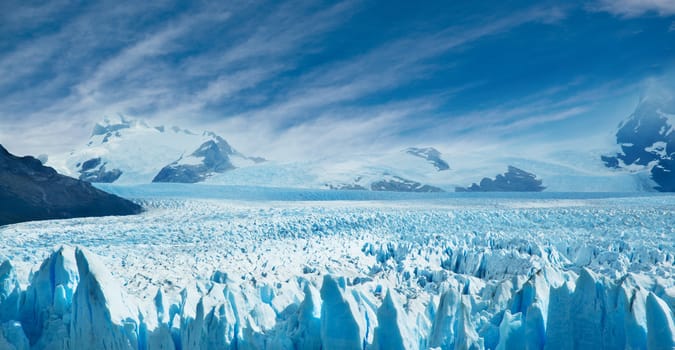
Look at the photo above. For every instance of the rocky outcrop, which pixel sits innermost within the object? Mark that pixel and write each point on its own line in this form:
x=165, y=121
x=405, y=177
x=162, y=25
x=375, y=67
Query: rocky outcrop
x=431, y=154
x=399, y=184
x=30, y=191
x=514, y=180
x=346, y=187
x=93, y=170
x=211, y=157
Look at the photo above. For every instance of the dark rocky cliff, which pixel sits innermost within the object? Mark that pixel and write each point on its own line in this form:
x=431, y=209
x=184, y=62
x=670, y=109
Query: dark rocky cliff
x=30, y=191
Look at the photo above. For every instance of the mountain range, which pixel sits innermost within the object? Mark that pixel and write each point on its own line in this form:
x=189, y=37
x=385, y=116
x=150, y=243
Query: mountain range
x=128, y=151
x=122, y=150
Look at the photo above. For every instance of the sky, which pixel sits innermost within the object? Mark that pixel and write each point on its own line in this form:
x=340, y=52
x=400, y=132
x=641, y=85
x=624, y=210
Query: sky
x=298, y=80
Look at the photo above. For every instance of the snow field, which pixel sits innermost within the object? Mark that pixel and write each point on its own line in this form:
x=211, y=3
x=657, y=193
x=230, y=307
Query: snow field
x=452, y=274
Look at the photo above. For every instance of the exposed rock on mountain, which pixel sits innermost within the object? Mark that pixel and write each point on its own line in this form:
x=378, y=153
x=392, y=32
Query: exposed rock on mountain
x=123, y=150
x=30, y=191
x=211, y=157
x=93, y=170
x=514, y=180
x=399, y=184
x=430, y=154
x=346, y=187
x=647, y=141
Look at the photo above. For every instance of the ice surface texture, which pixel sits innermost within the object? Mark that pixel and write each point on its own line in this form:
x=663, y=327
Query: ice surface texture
x=463, y=273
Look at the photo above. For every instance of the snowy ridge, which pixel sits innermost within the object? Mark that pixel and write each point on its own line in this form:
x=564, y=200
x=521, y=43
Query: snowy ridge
x=453, y=273
x=125, y=150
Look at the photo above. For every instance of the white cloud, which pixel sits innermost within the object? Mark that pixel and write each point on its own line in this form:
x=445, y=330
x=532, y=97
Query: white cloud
x=229, y=84
x=318, y=112
x=28, y=16
x=26, y=59
x=524, y=119
x=635, y=8
x=379, y=128
x=335, y=132
x=133, y=74
x=383, y=68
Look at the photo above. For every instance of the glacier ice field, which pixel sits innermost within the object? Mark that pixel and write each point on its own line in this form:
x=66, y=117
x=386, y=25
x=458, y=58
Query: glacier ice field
x=216, y=267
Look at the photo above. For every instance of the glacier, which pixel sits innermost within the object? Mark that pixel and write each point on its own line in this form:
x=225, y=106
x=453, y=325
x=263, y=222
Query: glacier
x=282, y=269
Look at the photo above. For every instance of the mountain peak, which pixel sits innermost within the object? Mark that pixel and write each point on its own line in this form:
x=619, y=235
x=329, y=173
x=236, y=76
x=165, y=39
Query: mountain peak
x=647, y=141
x=213, y=156
x=127, y=150
x=430, y=154
x=27, y=164
x=112, y=124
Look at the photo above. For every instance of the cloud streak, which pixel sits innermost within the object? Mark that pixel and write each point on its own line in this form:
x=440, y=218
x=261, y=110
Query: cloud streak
x=335, y=89
x=263, y=75
x=635, y=8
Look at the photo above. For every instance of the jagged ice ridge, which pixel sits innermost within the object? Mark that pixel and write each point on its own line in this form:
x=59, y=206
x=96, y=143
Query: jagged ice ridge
x=449, y=274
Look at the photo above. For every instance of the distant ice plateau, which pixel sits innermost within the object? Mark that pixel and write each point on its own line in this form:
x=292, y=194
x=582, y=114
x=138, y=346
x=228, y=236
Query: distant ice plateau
x=473, y=271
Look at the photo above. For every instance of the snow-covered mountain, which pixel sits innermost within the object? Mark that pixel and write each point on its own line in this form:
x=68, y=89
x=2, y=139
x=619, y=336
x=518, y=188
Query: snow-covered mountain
x=647, y=141
x=400, y=171
x=122, y=150
x=126, y=151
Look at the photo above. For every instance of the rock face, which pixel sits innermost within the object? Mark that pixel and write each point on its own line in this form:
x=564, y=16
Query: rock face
x=93, y=170
x=514, y=180
x=346, y=187
x=430, y=154
x=211, y=157
x=30, y=191
x=399, y=184
x=647, y=141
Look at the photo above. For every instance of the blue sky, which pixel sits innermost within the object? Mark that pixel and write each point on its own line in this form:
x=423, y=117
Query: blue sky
x=297, y=79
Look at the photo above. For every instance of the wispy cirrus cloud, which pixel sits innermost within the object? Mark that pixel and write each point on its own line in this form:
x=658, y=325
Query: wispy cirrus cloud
x=94, y=63
x=519, y=127
x=635, y=8
x=161, y=75
x=333, y=93
x=285, y=80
